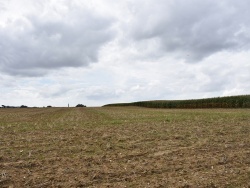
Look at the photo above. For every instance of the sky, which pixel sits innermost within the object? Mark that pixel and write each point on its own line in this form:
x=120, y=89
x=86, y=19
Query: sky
x=60, y=52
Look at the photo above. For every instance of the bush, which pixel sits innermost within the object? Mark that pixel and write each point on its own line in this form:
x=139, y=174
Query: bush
x=80, y=105
x=23, y=106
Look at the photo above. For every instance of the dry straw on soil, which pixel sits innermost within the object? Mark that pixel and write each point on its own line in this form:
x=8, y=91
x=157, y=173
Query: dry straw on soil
x=124, y=147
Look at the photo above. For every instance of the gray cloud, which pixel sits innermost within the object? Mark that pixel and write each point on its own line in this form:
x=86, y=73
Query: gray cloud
x=32, y=45
x=194, y=29
x=146, y=50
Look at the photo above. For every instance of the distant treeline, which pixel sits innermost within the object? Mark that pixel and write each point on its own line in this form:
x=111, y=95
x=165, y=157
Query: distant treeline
x=242, y=101
x=22, y=106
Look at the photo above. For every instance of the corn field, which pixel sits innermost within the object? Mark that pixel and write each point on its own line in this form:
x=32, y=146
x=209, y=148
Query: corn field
x=242, y=101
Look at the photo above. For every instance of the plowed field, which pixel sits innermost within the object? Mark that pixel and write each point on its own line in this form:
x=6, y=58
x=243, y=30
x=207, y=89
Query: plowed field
x=124, y=147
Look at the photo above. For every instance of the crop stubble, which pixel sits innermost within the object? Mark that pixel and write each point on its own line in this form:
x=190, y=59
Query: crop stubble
x=124, y=147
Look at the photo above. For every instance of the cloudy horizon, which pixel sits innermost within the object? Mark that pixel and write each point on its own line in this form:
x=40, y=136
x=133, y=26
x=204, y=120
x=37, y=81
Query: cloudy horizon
x=94, y=53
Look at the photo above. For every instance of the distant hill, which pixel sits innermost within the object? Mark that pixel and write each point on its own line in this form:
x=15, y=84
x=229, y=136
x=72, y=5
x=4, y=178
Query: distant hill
x=241, y=101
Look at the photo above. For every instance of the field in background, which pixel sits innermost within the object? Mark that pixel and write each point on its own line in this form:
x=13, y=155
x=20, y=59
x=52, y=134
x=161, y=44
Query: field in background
x=240, y=101
x=124, y=147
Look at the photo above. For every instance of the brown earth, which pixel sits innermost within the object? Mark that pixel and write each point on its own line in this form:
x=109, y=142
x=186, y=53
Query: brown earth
x=124, y=147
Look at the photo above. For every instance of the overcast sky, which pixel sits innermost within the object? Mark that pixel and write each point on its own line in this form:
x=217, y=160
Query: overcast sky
x=55, y=52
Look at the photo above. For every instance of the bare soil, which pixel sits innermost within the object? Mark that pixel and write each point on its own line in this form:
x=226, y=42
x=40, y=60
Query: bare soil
x=124, y=147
